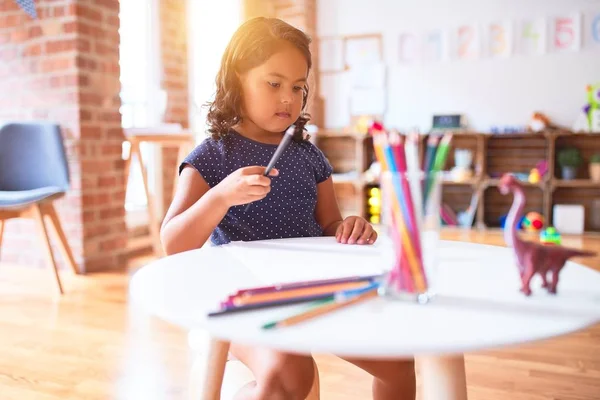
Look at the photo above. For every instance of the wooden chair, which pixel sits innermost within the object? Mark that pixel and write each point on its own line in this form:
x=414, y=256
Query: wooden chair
x=33, y=173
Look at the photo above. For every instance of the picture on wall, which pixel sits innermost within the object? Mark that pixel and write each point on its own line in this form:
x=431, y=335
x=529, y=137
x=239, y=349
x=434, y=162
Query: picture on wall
x=499, y=39
x=532, y=36
x=566, y=33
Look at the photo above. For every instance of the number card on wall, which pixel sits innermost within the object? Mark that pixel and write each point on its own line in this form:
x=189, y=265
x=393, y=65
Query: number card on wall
x=591, y=27
x=363, y=50
x=409, y=48
x=499, y=39
x=468, y=43
x=566, y=33
x=433, y=46
x=532, y=36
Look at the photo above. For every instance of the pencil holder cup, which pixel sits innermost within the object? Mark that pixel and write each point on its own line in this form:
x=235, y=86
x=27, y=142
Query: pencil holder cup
x=411, y=218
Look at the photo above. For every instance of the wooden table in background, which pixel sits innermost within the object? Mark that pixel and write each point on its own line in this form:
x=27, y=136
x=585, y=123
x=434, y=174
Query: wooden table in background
x=183, y=141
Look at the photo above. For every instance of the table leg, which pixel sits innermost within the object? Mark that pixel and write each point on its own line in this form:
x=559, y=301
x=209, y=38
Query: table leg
x=443, y=377
x=152, y=220
x=214, y=369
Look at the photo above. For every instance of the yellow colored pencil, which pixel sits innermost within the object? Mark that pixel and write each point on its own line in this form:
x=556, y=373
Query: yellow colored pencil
x=320, y=310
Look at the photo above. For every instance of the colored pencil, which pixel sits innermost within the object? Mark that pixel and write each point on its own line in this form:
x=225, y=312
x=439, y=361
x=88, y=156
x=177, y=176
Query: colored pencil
x=414, y=174
x=439, y=161
x=442, y=153
x=223, y=311
x=283, y=144
x=432, y=143
x=302, y=284
x=320, y=310
x=302, y=292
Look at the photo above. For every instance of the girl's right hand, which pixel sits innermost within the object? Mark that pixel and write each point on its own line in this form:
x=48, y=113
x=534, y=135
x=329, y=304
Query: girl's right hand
x=244, y=186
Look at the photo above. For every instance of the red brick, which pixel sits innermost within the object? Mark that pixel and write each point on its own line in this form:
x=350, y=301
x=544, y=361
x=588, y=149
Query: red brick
x=56, y=64
x=88, y=13
x=70, y=27
x=115, y=133
x=111, y=213
x=35, y=32
x=95, y=166
x=32, y=50
x=59, y=46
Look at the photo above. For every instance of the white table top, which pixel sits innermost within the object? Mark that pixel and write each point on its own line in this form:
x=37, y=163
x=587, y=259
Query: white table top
x=479, y=305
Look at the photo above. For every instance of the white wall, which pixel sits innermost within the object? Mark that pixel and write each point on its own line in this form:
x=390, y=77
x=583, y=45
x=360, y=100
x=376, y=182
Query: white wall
x=488, y=92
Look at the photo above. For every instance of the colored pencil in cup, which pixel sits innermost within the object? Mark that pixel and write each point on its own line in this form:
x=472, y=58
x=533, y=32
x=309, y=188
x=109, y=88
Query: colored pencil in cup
x=322, y=308
x=439, y=161
x=414, y=175
x=397, y=217
x=398, y=151
x=430, y=151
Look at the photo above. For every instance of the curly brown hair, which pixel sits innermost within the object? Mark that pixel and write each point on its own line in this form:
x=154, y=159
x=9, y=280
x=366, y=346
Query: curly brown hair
x=251, y=45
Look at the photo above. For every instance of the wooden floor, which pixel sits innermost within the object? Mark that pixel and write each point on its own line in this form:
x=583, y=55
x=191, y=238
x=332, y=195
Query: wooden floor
x=90, y=344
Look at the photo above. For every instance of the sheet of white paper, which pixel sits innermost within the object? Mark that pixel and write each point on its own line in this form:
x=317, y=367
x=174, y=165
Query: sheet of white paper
x=293, y=260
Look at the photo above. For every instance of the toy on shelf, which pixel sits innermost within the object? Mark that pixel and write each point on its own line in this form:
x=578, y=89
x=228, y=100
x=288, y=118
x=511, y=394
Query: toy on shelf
x=569, y=159
x=532, y=257
x=533, y=221
x=534, y=176
x=589, y=119
x=462, y=171
x=550, y=236
x=540, y=122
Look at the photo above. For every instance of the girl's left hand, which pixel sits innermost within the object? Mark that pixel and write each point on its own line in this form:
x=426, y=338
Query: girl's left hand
x=355, y=230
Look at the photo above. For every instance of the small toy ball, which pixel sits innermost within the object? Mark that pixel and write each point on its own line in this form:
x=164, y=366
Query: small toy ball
x=534, y=221
x=534, y=176
x=550, y=236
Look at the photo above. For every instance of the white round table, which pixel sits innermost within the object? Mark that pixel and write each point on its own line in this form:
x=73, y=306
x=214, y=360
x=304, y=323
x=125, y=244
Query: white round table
x=478, y=306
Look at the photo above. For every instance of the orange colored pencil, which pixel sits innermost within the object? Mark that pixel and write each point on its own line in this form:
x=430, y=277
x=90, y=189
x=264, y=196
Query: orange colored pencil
x=303, y=292
x=321, y=310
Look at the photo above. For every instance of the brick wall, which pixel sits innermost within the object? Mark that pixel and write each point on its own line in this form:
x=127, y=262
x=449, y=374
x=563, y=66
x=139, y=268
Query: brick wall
x=64, y=67
x=174, y=57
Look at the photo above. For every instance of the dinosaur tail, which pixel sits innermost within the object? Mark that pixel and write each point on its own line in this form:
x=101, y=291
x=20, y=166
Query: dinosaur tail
x=581, y=253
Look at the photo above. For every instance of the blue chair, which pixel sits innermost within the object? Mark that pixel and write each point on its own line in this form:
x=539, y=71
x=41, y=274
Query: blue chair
x=33, y=173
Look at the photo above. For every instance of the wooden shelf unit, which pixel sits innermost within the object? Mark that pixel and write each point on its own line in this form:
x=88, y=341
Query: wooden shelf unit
x=493, y=155
x=350, y=155
x=496, y=154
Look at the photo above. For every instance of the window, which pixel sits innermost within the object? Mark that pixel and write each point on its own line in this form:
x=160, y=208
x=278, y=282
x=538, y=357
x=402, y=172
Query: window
x=214, y=22
x=141, y=98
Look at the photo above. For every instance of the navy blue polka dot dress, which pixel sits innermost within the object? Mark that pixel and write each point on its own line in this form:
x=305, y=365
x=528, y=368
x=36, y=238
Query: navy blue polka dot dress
x=289, y=208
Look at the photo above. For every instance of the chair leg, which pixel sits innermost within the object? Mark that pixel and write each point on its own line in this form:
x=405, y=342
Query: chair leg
x=215, y=360
x=63, y=244
x=43, y=233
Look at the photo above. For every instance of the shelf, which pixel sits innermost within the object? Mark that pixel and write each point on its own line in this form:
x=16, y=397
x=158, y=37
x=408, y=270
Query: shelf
x=491, y=182
x=334, y=134
x=466, y=182
x=576, y=183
